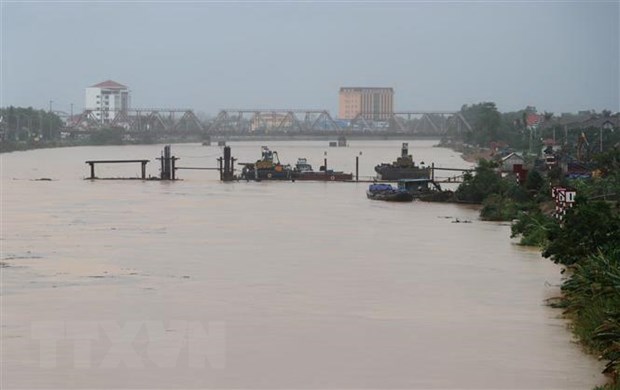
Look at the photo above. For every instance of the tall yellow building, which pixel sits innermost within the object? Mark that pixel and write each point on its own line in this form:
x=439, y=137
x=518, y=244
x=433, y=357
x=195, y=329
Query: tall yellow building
x=371, y=103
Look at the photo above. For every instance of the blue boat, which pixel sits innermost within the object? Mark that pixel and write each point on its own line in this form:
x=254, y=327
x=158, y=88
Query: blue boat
x=425, y=189
x=388, y=193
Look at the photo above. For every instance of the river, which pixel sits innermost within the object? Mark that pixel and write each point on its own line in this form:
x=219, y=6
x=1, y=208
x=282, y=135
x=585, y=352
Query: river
x=202, y=284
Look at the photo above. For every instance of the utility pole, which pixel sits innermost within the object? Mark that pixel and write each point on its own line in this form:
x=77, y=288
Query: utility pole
x=71, y=122
x=49, y=134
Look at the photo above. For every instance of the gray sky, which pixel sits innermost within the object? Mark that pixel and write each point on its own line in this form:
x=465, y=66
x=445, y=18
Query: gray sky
x=557, y=56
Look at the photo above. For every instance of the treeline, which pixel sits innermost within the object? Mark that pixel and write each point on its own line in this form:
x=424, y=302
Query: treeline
x=489, y=126
x=586, y=241
x=27, y=124
x=504, y=198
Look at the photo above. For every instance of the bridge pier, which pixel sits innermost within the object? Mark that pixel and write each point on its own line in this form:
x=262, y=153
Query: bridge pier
x=227, y=165
x=168, y=162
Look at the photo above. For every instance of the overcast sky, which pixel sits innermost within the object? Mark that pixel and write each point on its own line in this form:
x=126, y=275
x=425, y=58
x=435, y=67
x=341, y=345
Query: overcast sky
x=557, y=56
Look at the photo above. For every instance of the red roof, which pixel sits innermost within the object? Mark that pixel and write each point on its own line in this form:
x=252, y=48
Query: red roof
x=109, y=84
x=533, y=119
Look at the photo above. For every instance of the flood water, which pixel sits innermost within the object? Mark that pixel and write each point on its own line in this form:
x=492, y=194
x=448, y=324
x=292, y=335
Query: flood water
x=202, y=284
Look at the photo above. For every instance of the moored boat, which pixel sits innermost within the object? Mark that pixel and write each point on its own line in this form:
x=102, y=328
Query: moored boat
x=388, y=193
x=403, y=168
x=425, y=190
x=303, y=171
x=267, y=168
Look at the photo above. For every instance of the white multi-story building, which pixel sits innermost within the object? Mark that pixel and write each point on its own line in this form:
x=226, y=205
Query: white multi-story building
x=106, y=99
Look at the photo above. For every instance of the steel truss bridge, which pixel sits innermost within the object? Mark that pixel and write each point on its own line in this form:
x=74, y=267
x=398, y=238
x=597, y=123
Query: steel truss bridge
x=271, y=121
x=276, y=121
x=165, y=120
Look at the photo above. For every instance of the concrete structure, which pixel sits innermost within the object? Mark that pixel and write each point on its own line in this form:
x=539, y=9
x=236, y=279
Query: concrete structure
x=376, y=104
x=106, y=99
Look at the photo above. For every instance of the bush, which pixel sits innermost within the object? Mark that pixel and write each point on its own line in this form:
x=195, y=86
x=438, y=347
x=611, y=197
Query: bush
x=498, y=208
x=534, y=181
x=484, y=183
x=587, y=228
x=533, y=226
x=593, y=303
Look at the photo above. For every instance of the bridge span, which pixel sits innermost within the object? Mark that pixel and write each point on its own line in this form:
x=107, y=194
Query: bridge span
x=275, y=121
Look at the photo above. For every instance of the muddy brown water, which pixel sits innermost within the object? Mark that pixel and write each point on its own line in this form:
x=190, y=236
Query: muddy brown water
x=202, y=284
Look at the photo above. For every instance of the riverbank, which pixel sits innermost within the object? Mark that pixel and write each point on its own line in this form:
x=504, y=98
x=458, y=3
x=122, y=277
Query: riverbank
x=585, y=242
x=469, y=153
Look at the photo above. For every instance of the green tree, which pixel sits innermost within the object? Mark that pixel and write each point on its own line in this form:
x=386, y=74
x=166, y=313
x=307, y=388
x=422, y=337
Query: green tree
x=496, y=207
x=609, y=161
x=587, y=228
x=25, y=123
x=485, y=121
x=512, y=130
x=533, y=227
x=534, y=181
x=483, y=182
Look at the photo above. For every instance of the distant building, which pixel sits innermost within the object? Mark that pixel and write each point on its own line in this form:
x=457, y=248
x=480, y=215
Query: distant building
x=375, y=104
x=271, y=121
x=509, y=162
x=534, y=120
x=106, y=99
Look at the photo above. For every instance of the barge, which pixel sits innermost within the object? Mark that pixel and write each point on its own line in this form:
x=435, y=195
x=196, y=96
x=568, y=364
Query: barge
x=303, y=171
x=403, y=168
